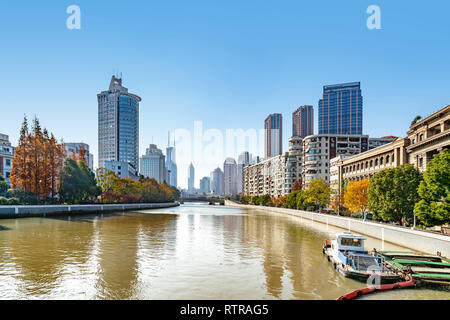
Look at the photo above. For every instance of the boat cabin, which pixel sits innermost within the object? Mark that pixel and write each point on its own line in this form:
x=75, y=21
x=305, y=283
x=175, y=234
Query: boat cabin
x=347, y=241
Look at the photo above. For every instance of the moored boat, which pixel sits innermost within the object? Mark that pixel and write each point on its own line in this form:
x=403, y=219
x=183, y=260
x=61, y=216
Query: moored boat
x=348, y=255
x=432, y=269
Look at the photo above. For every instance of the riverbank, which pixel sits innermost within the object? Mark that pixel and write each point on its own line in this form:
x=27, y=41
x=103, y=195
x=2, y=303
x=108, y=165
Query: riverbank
x=8, y=212
x=416, y=240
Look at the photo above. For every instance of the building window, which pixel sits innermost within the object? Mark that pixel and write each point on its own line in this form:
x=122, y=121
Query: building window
x=376, y=162
x=388, y=159
x=421, y=137
x=367, y=164
x=371, y=163
x=421, y=162
x=381, y=161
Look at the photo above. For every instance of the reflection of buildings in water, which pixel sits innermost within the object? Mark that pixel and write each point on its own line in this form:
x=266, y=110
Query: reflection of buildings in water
x=120, y=241
x=39, y=248
x=267, y=232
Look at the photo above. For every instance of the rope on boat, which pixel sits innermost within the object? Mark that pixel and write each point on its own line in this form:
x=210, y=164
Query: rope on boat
x=385, y=287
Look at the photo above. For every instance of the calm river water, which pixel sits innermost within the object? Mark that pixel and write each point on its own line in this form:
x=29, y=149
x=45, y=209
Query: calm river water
x=194, y=251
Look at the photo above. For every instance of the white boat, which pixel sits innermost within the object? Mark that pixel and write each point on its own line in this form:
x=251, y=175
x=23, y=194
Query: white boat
x=348, y=255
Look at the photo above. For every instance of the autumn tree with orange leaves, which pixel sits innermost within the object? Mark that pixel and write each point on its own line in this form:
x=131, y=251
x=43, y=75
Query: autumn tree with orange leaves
x=356, y=196
x=37, y=161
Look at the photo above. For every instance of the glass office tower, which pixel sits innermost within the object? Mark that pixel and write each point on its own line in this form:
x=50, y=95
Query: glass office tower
x=118, y=125
x=340, y=109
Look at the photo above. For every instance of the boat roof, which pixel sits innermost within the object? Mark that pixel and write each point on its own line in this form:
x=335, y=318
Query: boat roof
x=349, y=235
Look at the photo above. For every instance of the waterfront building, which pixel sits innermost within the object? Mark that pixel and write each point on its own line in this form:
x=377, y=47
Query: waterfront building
x=424, y=139
x=244, y=159
x=217, y=182
x=428, y=137
x=273, y=129
x=378, y=142
x=6, y=157
x=191, y=177
x=275, y=176
x=73, y=148
x=123, y=169
x=230, y=177
x=153, y=164
x=319, y=149
x=303, y=121
x=205, y=185
x=171, y=165
x=118, y=125
x=340, y=109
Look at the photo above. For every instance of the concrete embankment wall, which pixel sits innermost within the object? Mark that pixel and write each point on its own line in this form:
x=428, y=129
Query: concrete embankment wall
x=7, y=212
x=423, y=241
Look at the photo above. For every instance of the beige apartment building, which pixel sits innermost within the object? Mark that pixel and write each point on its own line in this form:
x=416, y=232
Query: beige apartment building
x=425, y=138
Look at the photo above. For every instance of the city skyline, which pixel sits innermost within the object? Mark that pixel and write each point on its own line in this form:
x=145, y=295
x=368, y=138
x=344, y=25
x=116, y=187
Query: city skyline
x=227, y=79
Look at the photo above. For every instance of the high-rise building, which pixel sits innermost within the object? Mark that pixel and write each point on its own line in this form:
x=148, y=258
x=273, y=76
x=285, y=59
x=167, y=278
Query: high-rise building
x=6, y=156
x=118, y=125
x=273, y=128
x=340, y=109
x=205, y=185
x=191, y=177
x=153, y=164
x=217, y=182
x=230, y=171
x=171, y=165
x=74, y=148
x=244, y=159
x=303, y=121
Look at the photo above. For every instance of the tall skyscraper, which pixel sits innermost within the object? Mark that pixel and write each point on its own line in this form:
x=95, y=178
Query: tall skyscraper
x=171, y=164
x=340, y=109
x=230, y=181
x=217, y=182
x=153, y=164
x=191, y=177
x=118, y=125
x=244, y=159
x=303, y=121
x=273, y=127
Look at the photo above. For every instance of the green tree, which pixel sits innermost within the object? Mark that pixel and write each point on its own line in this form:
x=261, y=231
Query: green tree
x=417, y=118
x=77, y=182
x=434, y=191
x=318, y=193
x=3, y=185
x=393, y=193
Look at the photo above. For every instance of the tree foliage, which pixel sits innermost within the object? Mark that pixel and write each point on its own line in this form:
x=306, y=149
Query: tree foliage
x=319, y=193
x=356, y=196
x=434, y=192
x=393, y=192
x=37, y=161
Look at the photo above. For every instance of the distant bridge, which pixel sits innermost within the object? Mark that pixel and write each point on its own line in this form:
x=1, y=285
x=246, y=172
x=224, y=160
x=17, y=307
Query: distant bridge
x=211, y=201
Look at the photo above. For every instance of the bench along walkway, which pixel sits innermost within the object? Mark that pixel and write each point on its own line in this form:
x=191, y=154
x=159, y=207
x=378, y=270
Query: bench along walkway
x=7, y=212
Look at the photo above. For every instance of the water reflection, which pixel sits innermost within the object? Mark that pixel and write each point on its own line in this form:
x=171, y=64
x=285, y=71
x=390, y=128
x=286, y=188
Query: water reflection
x=190, y=252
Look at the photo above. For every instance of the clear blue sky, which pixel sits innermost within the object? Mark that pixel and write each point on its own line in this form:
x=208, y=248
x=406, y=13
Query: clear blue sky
x=227, y=63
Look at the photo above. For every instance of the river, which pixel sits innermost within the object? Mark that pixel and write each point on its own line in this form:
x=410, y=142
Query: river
x=194, y=251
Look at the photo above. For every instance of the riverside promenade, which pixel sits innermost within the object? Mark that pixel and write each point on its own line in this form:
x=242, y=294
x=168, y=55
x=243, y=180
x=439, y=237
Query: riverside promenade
x=417, y=240
x=8, y=212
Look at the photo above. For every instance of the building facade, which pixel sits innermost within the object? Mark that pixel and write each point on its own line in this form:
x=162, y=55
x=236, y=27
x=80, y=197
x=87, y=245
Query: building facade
x=205, y=185
x=152, y=164
x=118, y=125
x=74, y=148
x=303, y=121
x=191, y=177
x=366, y=164
x=378, y=142
x=428, y=137
x=319, y=149
x=230, y=176
x=340, y=109
x=217, y=182
x=244, y=159
x=123, y=169
x=273, y=130
x=274, y=176
x=171, y=165
x=6, y=157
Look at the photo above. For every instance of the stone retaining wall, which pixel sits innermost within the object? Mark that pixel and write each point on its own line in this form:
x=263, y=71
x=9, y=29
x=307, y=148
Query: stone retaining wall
x=417, y=240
